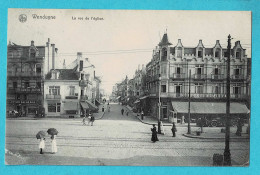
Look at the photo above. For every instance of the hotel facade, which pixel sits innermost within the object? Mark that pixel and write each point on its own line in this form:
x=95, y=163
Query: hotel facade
x=167, y=76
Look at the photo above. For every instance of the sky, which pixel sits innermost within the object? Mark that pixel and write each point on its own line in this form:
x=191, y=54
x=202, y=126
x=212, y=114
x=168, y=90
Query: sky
x=117, y=41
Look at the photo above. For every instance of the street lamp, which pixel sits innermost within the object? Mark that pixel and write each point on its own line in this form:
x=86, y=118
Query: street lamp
x=159, y=104
x=189, y=129
x=227, y=155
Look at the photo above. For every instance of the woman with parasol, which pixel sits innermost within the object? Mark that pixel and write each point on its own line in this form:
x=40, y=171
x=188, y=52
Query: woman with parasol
x=41, y=135
x=53, y=132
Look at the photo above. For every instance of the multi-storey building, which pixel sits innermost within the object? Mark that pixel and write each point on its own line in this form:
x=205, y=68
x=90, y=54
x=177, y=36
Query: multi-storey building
x=70, y=92
x=167, y=76
x=25, y=65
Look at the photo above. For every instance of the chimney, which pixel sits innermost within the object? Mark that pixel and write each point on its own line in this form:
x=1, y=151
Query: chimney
x=56, y=50
x=53, y=56
x=94, y=74
x=200, y=41
x=32, y=43
x=217, y=41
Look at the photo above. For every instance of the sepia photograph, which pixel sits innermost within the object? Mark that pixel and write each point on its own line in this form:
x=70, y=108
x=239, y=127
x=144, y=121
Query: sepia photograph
x=128, y=87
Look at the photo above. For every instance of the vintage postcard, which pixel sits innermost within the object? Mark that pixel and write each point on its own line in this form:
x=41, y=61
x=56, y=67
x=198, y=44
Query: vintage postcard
x=128, y=87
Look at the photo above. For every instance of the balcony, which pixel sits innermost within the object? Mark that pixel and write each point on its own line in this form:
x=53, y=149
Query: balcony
x=24, y=74
x=217, y=77
x=177, y=76
x=202, y=95
x=237, y=77
x=24, y=90
x=53, y=97
x=199, y=76
x=84, y=83
x=71, y=97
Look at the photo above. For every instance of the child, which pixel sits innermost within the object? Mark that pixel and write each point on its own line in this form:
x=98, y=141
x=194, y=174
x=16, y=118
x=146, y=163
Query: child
x=42, y=145
x=53, y=144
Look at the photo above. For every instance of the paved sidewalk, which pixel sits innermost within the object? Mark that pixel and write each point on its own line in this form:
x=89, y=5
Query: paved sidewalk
x=209, y=132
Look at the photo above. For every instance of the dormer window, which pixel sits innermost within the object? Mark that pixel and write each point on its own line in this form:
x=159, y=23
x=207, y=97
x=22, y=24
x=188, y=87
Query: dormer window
x=217, y=54
x=238, y=53
x=55, y=75
x=179, y=52
x=199, y=53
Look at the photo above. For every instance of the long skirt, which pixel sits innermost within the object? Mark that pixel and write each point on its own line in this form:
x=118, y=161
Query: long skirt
x=53, y=146
x=42, y=144
x=154, y=137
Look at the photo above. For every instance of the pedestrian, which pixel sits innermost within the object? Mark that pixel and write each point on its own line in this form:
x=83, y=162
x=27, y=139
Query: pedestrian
x=89, y=118
x=127, y=113
x=154, y=134
x=122, y=111
x=108, y=108
x=103, y=109
x=182, y=120
x=84, y=120
x=53, y=144
x=239, y=127
x=173, y=129
x=42, y=145
x=92, y=119
x=142, y=115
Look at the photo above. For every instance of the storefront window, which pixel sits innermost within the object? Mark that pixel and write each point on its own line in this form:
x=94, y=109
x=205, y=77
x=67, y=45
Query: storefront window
x=55, y=107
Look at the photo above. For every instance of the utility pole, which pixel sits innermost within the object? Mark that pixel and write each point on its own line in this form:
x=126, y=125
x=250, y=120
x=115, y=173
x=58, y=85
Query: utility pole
x=227, y=155
x=189, y=130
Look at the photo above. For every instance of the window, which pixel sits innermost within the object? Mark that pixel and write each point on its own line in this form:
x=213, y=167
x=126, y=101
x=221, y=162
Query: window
x=38, y=69
x=82, y=76
x=178, y=70
x=32, y=110
x=15, y=84
x=216, y=71
x=55, y=107
x=163, y=88
x=18, y=97
x=32, y=54
x=199, y=53
x=72, y=90
x=163, y=69
x=54, y=90
x=216, y=89
x=217, y=54
x=236, y=71
x=238, y=54
x=225, y=54
x=26, y=84
x=179, y=52
x=38, y=84
x=199, y=88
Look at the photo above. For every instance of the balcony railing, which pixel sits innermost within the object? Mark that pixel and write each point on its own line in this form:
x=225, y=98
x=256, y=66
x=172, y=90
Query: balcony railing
x=178, y=76
x=24, y=90
x=48, y=96
x=24, y=74
x=199, y=76
x=237, y=77
x=71, y=97
x=84, y=83
x=196, y=95
x=217, y=76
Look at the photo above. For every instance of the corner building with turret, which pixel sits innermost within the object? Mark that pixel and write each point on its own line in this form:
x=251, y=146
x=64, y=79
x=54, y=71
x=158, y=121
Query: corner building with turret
x=168, y=71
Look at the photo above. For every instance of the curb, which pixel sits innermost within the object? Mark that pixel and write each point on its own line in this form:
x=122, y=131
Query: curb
x=200, y=137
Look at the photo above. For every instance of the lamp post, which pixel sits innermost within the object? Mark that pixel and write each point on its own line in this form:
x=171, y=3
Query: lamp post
x=227, y=155
x=189, y=129
x=159, y=105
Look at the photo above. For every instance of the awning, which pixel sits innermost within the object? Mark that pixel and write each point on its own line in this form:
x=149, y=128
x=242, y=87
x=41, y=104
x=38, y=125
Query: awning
x=71, y=106
x=137, y=101
x=209, y=108
x=97, y=101
x=84, y=105
x=91, y=105
x=144, y=97
x=118, y=97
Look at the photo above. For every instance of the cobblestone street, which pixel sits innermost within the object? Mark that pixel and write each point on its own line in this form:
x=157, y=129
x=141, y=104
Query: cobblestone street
x=113, y=140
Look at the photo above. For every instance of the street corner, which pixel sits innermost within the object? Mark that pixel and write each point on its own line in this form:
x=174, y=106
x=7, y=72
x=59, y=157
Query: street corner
x=208, y=135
